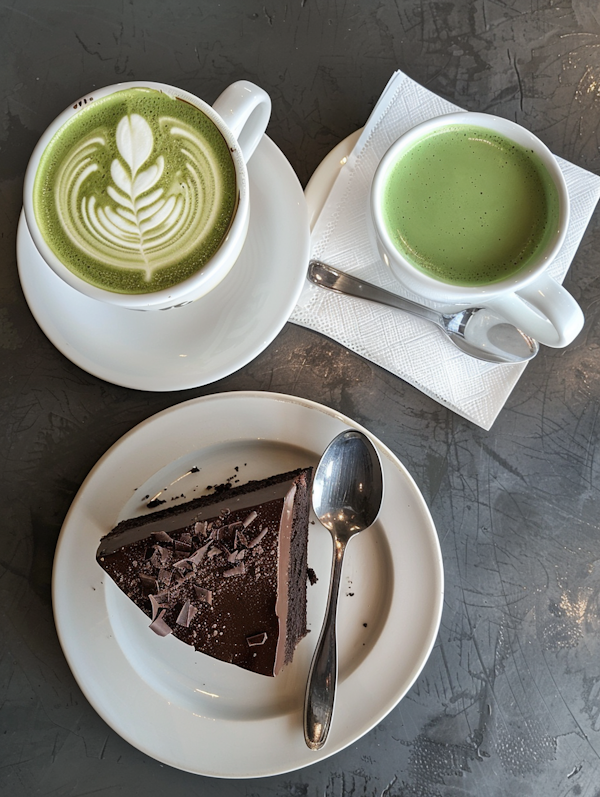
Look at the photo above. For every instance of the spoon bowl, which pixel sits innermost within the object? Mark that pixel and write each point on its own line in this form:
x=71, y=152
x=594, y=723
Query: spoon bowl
x=476, y=331
x=347, y=494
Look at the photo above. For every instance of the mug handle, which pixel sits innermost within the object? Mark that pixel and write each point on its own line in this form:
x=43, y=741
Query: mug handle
x=544, y=310
x=245, y=108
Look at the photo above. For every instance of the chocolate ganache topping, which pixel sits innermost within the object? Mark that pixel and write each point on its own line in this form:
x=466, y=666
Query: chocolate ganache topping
x=224, y=573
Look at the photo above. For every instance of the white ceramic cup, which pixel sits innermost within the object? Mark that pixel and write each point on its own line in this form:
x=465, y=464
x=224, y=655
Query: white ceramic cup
x=241, y=113
x=529, y=299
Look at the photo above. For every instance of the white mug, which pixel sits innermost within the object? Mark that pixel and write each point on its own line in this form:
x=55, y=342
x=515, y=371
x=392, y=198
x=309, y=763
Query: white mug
x=241, y=113
x=530, y=299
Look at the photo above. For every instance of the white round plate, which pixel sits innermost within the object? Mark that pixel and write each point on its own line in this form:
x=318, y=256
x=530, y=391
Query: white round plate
x=204, y=341
x=202, y=715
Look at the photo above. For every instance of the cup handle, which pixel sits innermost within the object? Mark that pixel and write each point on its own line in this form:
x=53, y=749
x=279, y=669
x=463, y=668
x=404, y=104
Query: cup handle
x=245, y=108
x=544, y=310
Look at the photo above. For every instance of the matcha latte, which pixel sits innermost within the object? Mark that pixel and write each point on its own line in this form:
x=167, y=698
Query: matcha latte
x=468, y=206
x=136, y=192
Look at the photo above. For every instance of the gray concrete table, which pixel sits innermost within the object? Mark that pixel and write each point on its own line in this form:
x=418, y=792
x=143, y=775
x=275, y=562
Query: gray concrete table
x=509, y=701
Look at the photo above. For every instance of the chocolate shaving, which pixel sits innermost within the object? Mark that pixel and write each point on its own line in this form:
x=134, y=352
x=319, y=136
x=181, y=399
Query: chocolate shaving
x=161, y=556
x=148, y=583
x=186, y=615
x=200, y=528
x=183, y=564
x=157, y=602
x=256, y=639
x=183, y=546
x=238, y=570
x=258, y=537
x=165, y=553
x=240, y=539
x=312, y=576
x=193, y=560
x=159, y=626
x=203, y=594
x=224, y=535
x=247, y=521
x=198, y=555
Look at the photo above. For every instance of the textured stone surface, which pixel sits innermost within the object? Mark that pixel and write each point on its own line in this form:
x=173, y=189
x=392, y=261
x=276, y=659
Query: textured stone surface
x=509, y=702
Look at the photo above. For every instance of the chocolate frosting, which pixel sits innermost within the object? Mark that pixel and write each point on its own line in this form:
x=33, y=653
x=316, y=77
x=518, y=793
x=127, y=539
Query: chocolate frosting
x=215, y=572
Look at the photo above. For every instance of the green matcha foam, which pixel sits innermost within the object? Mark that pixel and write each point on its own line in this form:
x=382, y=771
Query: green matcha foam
x=468, y=206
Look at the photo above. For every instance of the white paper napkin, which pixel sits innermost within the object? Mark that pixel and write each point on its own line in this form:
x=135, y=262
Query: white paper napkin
x=411, y=348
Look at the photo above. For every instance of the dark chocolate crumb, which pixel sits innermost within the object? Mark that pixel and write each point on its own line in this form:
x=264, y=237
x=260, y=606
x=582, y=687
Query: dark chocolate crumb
x=365, y=625
x=220, y=488
x=194, y=470
x=155, y=502
x=312, y=576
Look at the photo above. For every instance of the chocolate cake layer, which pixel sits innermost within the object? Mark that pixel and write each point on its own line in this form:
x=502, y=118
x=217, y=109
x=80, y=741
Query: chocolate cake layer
x=225, y=573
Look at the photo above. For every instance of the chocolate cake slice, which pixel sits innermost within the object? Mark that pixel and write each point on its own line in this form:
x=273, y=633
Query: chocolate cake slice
x=225, y=573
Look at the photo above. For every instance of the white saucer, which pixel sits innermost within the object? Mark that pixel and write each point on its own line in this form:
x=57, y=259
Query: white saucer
x=204, y=341
x=322, y=180
x=199, y=714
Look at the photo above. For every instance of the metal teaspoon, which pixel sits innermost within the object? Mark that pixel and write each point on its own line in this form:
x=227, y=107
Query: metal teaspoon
x=346, y=495
x=476, y=331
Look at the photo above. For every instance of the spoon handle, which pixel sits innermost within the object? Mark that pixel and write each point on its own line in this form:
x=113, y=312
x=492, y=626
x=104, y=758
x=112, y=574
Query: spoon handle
x=326, y=276
x=322, y=678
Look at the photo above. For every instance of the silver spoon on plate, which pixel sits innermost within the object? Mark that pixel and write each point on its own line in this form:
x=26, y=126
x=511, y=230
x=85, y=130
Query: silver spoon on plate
x=476, y=331
x=346, y=495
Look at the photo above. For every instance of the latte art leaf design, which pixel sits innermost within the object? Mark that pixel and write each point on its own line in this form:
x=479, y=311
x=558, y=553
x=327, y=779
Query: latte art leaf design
x=152, y=208
x=139, y=214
